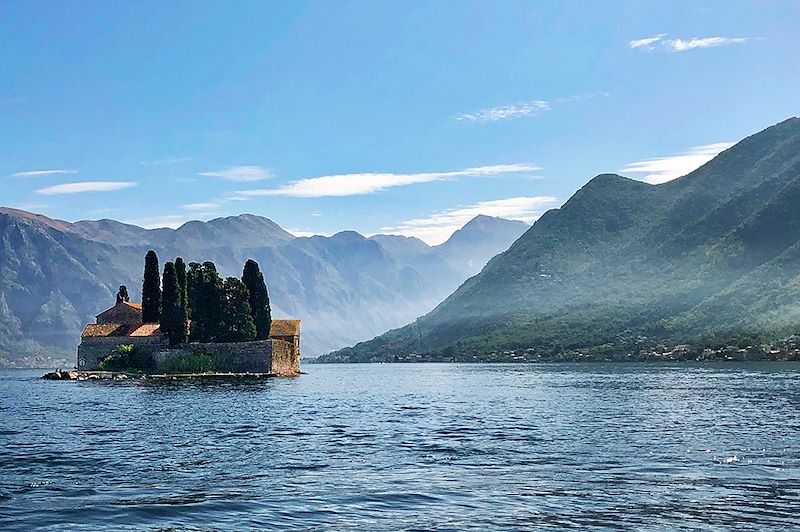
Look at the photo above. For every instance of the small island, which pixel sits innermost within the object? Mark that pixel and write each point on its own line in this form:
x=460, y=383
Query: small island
x=191, y=323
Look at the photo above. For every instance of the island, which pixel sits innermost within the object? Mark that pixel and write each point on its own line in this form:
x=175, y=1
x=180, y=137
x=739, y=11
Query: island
x=190, y=323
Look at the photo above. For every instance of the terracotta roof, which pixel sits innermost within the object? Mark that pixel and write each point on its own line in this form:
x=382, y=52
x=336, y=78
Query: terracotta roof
x=285, y=328
x=94, y=330
x=135, y=306
x=146, y=329
x=106, y=329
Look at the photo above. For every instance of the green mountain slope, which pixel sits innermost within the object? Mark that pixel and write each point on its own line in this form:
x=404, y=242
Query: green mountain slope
x=624, y=264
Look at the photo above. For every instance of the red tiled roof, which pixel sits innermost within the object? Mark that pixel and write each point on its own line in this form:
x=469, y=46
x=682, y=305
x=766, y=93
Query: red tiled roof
x=106, y=329
x=137, y=306
x=146, y=329
x=94, y=330
x=284, y=328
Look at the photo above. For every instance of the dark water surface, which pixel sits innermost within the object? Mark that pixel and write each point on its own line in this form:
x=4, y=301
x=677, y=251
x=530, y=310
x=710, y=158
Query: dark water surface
x=388, y=447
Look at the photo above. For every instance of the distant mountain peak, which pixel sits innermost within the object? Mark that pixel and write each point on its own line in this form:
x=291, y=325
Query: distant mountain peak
x=482, y=221
x=58, y=225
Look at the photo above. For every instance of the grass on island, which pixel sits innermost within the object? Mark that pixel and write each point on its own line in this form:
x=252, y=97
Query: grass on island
x=128, y=359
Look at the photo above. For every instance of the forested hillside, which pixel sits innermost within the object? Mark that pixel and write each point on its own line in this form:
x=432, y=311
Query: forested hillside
x=624, y=265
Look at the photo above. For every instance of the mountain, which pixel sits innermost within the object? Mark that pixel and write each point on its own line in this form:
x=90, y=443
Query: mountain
x=464, y=253
x=55, y=276
x=624, y=265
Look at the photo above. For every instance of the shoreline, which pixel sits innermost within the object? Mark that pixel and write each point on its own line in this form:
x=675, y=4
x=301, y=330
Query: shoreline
x=117, y=376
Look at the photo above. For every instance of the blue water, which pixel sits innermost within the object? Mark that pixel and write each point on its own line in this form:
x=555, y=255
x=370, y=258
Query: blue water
x=409, y=447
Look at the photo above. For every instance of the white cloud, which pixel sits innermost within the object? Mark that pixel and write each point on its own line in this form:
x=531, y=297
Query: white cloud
x=679, y=45
x=240, y=173
x=439, y=226
x=507, y=112
x=200, y=206
x=171, y=160
x=663, y=169
x=646, y=42
x=37, y=173
x=86, y=186
x=369, y=183
x=683, y=45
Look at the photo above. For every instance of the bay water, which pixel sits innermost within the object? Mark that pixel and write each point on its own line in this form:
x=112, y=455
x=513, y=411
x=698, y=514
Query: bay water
x=409, y=447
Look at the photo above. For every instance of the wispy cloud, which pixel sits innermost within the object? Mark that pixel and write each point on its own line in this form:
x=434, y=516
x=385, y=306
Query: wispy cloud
x=439, y=226
x=38, y=173
x=200, y=206
x=523, y=109
x=240, y=173
x=680, y=45
x=683, y=45
x=663, y=169
x=506, y=112
x=171, y=160
x=646, y=42
x=86, y=186
x=369, y=183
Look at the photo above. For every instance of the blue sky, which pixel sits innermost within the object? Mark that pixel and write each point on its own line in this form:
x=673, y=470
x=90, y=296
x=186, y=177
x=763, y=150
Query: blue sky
x=400, y=117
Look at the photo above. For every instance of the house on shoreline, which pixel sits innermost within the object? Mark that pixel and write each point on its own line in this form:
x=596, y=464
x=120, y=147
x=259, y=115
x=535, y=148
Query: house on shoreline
x=122, y=324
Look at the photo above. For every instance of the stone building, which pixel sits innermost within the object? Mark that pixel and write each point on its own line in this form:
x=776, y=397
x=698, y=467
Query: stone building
x=122, y=325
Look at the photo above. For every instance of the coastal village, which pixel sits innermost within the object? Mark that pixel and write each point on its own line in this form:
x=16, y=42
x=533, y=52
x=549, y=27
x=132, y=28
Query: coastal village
x=190, y=323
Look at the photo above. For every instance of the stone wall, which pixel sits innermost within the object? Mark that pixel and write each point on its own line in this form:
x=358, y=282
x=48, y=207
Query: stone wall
x=93, y=349
x=263, y=356
x=285, y=358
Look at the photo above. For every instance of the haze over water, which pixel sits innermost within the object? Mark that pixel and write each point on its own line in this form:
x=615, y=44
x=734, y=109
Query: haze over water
x=387, y=447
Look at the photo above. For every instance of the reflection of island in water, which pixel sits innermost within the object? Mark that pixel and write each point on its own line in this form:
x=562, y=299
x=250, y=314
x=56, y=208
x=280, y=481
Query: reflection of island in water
x=192, y=322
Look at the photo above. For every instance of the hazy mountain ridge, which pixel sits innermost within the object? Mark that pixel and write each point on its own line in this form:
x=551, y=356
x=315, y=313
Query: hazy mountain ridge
x=55, y=276
x=707, y=256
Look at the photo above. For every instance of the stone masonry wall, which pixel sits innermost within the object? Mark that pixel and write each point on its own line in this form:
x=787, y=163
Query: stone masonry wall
x=285, y=358
x=93, y=349
x=263, y=356
x=239, y=357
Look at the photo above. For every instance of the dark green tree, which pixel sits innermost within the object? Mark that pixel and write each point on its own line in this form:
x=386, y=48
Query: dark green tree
x=180, y=272
x=236, y=323
x=183, y=286
x=253, y=279
x=193, y=280
x=151, y=289
x=173, y=323
x=207, y=302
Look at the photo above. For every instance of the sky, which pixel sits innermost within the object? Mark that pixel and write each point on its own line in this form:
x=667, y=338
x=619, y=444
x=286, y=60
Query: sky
x=381, y=117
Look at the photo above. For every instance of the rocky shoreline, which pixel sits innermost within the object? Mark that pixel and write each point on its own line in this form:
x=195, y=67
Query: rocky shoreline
x=121, y=376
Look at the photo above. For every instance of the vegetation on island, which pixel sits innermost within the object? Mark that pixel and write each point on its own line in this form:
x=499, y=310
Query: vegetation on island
x=151, y=289
x=197, y=305
x=127, y=357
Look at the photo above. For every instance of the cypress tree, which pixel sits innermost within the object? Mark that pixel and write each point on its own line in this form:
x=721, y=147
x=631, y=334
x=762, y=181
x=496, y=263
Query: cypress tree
x=151, y=289
x=236, y=322
x=207, y=301
x=180, y=272
x=183, y=287
x=172, y=323
x=253, y=279
x=193, y=281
